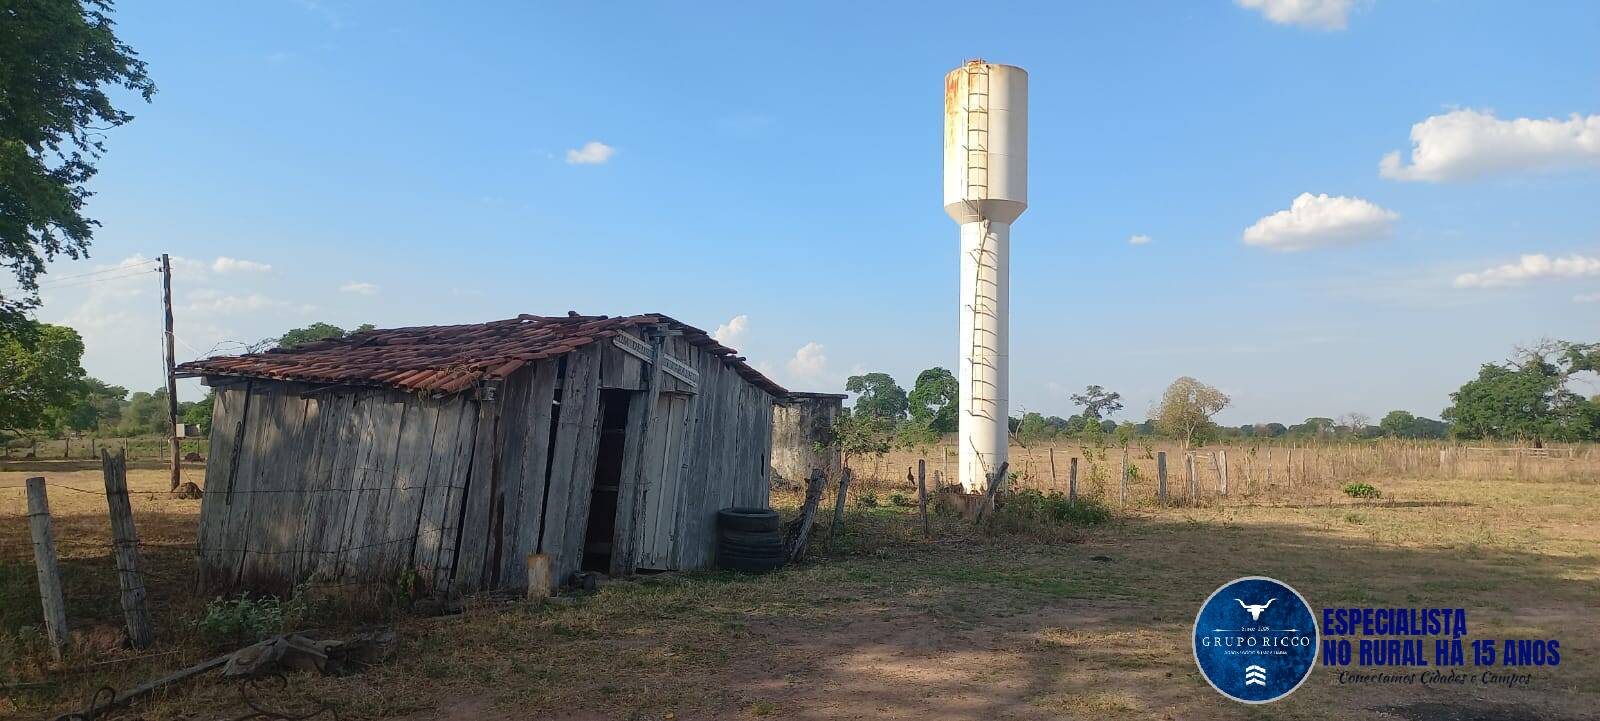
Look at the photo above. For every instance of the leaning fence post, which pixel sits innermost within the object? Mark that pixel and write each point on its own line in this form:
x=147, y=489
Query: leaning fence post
x=44, y=559
x=1072, y=480
x=1161, y=476
x=922, y=496
x=125, y=548
x=838, y=506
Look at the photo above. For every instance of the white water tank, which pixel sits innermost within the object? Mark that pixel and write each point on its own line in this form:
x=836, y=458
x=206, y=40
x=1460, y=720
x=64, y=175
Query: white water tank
x=985, y=189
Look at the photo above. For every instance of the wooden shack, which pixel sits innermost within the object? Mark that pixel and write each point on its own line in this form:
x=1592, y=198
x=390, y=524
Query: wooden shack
x=803, y=439
x=454, y=452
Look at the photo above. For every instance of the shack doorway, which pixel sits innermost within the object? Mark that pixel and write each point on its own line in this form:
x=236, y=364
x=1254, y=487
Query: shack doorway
x=602, y=522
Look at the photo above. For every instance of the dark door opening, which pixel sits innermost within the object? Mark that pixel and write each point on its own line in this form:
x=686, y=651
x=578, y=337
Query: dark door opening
x=607, y=479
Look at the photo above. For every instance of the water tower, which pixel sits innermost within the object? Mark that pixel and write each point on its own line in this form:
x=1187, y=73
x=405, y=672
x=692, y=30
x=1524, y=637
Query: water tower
x=985, y=189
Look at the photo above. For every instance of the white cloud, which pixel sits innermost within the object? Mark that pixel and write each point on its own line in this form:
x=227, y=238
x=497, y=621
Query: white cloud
x=1586, y=298
x=1530, y=267
x=359, y=288
x=809, y=361
x=224, y=264
x=207, y=302
x=1318, y=14
x=593, y=152
x=1139, y=240
x=1467, y=144
x=1314, y=221
x=731, y=333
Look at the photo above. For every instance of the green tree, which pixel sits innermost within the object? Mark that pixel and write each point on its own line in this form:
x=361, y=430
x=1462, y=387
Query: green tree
x=57, y=59
x=1314, y=426
x=1527, y=403
x=933, y=401
x=862, y=434
x=1402, y=424
x=95, y=404
x=1186, y=410
x=315, y=332
x=878, y=395
x=1033, y=429
x=39, y=380
x=1097, y=402
x=1397, y=424
x=146, y=413
x=199, y=412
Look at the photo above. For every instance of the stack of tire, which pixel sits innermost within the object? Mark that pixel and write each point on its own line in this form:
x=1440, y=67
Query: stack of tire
x=749, y=539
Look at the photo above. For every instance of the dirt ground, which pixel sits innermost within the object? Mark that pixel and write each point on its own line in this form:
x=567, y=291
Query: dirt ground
x=966, y=626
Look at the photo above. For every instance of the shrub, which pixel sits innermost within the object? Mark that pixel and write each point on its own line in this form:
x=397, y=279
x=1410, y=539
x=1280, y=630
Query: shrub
x=1361, y=490
x=247, y=620
x=241, y=619
x=1049, y=517
x=901, y=500
x=867, y=499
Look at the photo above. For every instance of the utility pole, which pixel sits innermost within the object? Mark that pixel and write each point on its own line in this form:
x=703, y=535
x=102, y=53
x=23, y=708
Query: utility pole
x=172, y=378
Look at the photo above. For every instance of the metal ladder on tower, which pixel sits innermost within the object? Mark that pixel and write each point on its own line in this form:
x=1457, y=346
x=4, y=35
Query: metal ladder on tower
x=985, y=339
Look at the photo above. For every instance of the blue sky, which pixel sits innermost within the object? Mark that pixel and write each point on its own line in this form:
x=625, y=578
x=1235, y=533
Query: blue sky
x=403, y=164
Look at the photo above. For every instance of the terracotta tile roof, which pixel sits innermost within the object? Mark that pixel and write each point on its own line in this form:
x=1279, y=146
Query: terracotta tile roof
x=446, y=359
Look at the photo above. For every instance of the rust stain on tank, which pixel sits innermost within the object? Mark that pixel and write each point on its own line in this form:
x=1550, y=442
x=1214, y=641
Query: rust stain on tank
x=952, y=106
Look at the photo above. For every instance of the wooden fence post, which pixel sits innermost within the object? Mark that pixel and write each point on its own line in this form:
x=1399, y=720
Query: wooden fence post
x=1191, y=480
x=44, y=559
x=1053, y=484
x=1161, y=476
x=1124, y=475
x=1072, y=480
x=1222, y=472
x=125, y=548
x=922, y=496
x=838, y=506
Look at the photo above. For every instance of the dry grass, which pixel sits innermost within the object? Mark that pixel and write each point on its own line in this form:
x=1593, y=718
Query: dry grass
x=889, y=625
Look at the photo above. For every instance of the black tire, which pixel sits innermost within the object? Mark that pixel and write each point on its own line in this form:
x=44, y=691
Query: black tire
x=751, y=551
x=747, y=519
x=750, y=538
x=738, y=563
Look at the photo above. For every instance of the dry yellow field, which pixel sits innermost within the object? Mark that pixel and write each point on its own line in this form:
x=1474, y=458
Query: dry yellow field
x=886, y=624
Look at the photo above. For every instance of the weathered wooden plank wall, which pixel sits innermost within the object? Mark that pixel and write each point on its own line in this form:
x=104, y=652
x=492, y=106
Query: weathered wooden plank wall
x=352, y=487
x=726, y=443
x=571, y=476
x=664, y=454
x=358, y=485
x=525, y=456
x=227, y=430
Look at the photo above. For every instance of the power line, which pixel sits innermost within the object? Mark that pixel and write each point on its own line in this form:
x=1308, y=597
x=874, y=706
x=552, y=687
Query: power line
x=126, y=271
x=129, y=266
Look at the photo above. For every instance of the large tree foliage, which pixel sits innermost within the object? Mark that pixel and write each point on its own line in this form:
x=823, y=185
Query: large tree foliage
x=1186, y=410
x=316, y=332
x=57, y=59
x=934, y=401
x=39, y=376
x=878, y=395
x=1528, y=398
x=1097, y=402
x=95, y=403
x=1403, y=424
